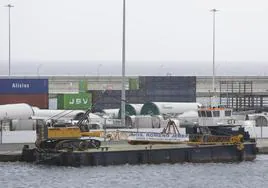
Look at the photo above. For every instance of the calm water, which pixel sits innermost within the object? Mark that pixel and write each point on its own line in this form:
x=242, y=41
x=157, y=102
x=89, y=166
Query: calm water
x=245, y=174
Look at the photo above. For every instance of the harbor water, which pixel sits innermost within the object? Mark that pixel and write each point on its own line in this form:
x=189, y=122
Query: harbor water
x=244, y=174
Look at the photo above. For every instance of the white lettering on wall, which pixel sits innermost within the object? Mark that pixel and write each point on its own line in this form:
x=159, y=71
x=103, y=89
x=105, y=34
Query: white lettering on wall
x=20, y=85
x=78, y=101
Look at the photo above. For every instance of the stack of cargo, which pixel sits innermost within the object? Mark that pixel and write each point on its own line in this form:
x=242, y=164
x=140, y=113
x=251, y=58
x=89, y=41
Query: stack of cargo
x=148, y=89
x=79, y=101
x=30, y=91
x=76, y=101
x=109, y=99
x=136, y=96
x=169, y=88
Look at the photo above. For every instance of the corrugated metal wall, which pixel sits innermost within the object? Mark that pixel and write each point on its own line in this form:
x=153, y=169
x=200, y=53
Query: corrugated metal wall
x=38, y=100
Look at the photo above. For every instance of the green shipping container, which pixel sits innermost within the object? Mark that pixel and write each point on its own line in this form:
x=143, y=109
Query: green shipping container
x=83, y=86
x=80, y=101
x=133, y=83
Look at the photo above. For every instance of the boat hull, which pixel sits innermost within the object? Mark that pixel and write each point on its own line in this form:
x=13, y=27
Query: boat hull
x=154, y=155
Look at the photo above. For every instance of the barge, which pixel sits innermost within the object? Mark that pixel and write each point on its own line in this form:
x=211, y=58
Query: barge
x=145, y=153
x=119, y=154
x=208, y=142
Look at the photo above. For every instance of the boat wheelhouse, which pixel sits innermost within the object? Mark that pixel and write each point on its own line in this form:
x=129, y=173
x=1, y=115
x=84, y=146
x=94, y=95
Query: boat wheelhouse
x=215, y=116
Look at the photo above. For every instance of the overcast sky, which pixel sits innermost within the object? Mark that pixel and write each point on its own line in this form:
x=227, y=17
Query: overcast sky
x=162, y=37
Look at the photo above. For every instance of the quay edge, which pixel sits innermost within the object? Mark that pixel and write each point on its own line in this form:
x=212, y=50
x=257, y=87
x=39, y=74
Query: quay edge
x=10, y=156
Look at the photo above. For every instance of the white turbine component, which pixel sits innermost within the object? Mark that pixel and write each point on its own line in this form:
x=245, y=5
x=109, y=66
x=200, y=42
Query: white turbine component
x=132, y=109
x=188, y=114
x=22, y=125
x=57, y=114
x=157, y=121
x=93, y=118
x=143, y=122
x=159, y=108
x=137, y=108
x=112, y=113
x=16, y=111
x=130, y=121
x=189, y=118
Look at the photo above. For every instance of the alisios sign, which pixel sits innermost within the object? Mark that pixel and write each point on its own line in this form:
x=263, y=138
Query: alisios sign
x=80, y=101
x=23, y=86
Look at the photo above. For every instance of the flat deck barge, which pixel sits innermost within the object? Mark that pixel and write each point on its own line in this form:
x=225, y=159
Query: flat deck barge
x=144, y=154
x=123, y=153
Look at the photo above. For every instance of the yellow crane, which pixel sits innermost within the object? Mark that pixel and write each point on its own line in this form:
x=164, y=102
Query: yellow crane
x=76, y=137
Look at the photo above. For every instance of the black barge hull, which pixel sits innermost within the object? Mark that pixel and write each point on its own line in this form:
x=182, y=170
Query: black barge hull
x=148, y=155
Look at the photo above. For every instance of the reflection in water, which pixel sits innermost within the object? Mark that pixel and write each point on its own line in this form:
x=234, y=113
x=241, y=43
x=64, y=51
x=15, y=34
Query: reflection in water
x=244, y=174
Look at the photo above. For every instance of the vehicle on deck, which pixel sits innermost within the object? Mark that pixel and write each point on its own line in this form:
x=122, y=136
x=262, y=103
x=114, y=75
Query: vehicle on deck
x=67, y=136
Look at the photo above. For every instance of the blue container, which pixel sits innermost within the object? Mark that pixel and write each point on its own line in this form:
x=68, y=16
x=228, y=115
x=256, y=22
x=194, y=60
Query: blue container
x=23, y=86
x=166, y=82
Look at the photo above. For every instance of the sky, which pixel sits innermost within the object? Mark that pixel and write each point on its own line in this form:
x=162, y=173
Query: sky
x=163, y=37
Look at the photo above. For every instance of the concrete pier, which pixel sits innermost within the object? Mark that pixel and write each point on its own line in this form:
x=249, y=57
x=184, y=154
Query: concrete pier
x=262, y=145
x=10, y=156
x=12, y=152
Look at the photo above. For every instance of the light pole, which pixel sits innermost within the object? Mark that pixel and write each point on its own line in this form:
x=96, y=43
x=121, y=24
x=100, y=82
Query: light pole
x=160, y=69
x=1, y=135
x=38, y=68
x=123, y=92
x=213, y=58
x=9, y=6
x=98, y=76
x=98, y=70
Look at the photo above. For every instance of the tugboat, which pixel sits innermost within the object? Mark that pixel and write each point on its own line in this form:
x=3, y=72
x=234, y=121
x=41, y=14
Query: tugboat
x=217, y=121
